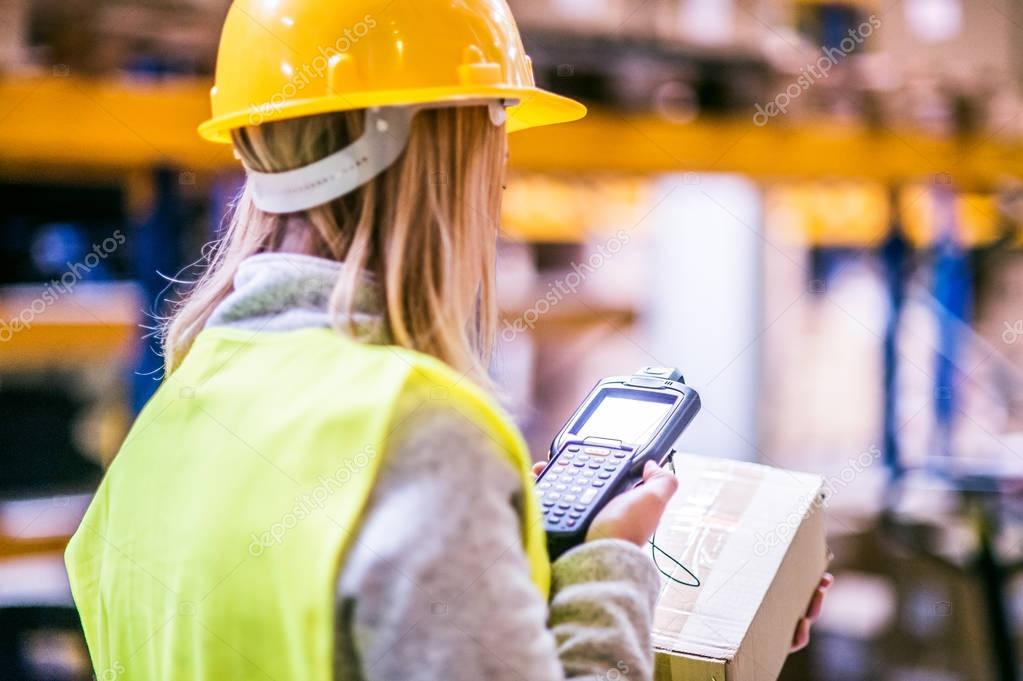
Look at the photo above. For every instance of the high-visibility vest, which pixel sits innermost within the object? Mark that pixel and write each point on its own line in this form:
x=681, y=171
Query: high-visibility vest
x=212, y=548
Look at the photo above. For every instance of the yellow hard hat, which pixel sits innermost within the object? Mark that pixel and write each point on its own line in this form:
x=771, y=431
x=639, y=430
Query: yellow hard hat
x=283, y=59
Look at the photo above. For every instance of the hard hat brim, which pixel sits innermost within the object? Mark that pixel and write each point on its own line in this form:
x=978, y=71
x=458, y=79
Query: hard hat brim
x=535, y=107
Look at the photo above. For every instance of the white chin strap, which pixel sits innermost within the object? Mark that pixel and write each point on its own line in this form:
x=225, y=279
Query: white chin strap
x=385, y=137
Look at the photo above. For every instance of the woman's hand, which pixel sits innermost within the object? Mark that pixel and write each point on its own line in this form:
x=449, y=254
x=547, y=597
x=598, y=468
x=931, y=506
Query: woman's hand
x=802, y=635
x=632, y=515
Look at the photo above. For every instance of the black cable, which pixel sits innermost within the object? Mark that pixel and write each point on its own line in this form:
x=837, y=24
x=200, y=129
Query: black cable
x=654, y=549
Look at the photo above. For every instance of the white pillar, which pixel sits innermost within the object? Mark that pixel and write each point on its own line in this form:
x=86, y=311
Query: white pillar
x=705, y=303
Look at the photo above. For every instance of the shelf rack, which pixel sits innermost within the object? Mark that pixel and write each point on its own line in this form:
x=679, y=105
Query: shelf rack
x=120, y=125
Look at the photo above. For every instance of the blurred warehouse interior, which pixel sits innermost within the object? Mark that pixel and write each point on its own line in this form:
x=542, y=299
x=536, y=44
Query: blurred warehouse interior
x=811, y=206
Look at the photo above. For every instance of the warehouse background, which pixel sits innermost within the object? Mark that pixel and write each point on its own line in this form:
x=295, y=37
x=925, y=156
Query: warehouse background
x=812, y=207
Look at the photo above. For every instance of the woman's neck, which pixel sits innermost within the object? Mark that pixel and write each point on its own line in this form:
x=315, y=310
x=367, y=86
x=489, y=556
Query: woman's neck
x=287, y=291
x=297, y=238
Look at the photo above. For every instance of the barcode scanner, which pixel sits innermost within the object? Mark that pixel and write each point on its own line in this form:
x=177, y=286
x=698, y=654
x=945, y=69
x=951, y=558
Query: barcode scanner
x=622, y=424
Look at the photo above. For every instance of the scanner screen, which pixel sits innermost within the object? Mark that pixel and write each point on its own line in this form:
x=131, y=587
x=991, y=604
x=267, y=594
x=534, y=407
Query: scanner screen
x=625, y=415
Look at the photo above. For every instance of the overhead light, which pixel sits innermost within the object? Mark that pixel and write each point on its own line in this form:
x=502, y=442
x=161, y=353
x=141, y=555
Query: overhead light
x=934, y=21
x=708, y=22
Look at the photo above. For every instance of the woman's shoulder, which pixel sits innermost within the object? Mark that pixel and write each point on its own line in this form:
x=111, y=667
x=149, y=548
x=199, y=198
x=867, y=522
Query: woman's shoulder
x=431, y=436
x=454, y=400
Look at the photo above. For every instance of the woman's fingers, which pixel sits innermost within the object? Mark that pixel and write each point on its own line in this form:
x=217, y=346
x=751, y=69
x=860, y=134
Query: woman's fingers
x=537, y=468
x=649, y=499
x=658, y=483
x=802, y=636
x=650, y=470
x=634, y=515
x=814, y=611
x=817, y=602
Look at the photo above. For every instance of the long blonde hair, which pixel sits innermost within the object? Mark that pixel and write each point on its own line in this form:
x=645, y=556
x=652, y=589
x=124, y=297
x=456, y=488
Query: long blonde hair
x=425, y=230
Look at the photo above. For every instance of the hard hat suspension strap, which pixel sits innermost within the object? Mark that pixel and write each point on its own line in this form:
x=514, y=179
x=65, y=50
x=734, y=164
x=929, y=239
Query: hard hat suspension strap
x=385, y=137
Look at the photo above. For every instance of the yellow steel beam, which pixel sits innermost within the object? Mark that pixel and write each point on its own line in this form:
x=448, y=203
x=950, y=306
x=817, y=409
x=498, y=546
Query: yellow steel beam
x=14, y=547
x=775, y=151
x=108, y=124
x=43, y=325
x=46, y=345
x=68, y=122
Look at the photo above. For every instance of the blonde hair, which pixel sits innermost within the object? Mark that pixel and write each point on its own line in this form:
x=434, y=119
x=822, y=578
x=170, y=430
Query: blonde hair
x=425, y=230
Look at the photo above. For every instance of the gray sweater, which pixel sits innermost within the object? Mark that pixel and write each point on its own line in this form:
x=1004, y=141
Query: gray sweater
x=436, y=584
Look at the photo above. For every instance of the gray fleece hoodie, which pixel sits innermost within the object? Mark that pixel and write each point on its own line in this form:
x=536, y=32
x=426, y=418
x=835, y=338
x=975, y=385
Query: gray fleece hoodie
x=436, y=584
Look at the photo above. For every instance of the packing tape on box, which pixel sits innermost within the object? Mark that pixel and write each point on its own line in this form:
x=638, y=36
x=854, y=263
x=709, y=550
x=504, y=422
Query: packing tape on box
x=696, y=529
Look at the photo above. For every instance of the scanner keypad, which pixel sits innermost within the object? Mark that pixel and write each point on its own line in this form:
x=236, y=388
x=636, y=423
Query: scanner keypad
x=568, y=488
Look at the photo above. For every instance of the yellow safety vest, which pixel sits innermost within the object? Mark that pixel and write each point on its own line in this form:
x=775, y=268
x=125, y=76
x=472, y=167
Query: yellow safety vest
x=212, y=547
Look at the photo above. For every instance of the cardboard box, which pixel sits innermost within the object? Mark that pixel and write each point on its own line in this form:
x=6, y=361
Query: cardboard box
x=754, y=536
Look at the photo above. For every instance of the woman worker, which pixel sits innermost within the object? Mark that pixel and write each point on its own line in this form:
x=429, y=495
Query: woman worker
x=323, y=487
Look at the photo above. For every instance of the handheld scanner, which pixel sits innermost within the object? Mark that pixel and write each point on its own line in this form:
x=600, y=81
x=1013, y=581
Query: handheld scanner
x=601, y=451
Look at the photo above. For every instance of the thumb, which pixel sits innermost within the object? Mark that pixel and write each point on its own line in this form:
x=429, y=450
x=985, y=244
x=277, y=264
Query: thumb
x=659, y=482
